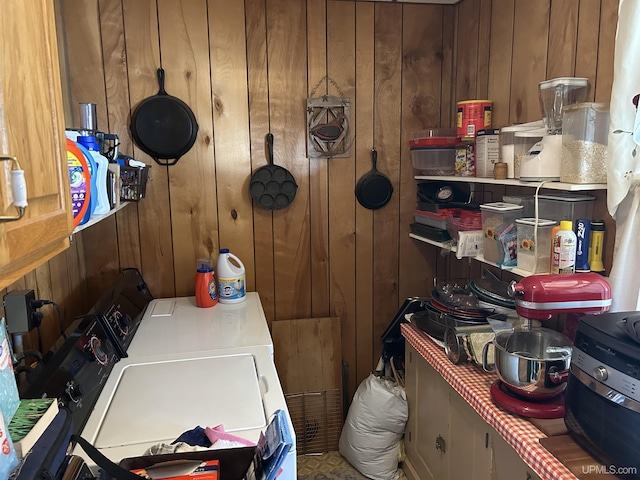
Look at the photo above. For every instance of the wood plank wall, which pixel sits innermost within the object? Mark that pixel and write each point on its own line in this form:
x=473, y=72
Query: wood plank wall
x=246, y=68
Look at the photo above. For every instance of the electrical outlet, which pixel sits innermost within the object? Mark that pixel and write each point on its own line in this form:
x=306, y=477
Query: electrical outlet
x=18, y=310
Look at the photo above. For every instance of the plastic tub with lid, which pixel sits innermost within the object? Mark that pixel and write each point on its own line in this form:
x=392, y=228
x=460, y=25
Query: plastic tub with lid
x=434, y=137
x=499, y=234
x=534, y=244
x=565, y=206
x=434, y=160
x=557, y=93
x=585, y=131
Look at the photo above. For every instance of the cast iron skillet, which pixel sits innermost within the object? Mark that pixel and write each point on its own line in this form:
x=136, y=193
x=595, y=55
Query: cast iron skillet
x=271, y=186
x=374, y=188
x=163, y=126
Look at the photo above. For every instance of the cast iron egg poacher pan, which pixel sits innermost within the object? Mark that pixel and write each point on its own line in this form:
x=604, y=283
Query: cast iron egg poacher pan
x=374, y=189
x=271, y=186
x=163, y=126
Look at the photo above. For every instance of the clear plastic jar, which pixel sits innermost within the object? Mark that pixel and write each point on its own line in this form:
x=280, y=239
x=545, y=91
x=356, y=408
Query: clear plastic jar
x=584, y=143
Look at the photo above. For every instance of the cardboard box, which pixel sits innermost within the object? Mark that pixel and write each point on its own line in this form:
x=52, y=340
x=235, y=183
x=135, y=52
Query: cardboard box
x=487, y=152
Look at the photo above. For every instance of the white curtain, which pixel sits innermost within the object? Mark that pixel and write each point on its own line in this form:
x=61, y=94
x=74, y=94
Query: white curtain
x=623, y=173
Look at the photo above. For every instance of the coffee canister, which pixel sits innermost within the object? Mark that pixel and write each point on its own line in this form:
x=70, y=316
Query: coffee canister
x=473, y=115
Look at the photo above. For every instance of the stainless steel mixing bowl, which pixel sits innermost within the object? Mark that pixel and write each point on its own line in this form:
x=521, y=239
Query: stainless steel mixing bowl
x=532, y=363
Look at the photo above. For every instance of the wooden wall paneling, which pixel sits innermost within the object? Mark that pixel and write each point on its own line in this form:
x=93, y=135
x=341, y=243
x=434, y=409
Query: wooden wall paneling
x=606, y=47
x=49, y=326
x=319, y=181
x=341, y=225
x=466, y=55
x=500, y=61
x=484, y=41
x=563, y=29
x=256, y=35
x=184, y=48
x=357, y=333
x=143, y=60
x=447, y=84
x=114, y=56
x=286, y=43
x=587, y=42
x=531, y=33
x=231, y=133
x=421, y=107
x=387, y=114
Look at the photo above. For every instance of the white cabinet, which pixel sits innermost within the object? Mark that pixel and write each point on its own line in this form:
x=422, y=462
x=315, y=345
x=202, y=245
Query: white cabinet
x=446, y=438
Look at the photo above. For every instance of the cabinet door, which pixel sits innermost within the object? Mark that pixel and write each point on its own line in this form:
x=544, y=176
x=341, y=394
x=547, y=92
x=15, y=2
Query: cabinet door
x=32, y=129
x=470, y=441
x=507, y=464
x=427, y=433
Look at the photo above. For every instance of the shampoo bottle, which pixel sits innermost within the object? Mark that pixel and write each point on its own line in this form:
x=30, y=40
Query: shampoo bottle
x=102, y=204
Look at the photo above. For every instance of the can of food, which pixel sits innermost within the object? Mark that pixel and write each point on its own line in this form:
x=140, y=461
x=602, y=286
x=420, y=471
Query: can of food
x=473, y=115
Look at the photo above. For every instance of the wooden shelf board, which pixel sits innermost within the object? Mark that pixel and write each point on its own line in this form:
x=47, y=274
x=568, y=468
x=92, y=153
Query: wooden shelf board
x=574, y=187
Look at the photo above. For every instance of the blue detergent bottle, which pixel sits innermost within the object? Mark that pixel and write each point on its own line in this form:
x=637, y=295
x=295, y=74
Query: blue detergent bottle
x=99, y=174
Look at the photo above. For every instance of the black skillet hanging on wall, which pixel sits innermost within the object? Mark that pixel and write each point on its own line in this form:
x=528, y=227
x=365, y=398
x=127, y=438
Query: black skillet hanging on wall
x=163, y=126
x=374, y=189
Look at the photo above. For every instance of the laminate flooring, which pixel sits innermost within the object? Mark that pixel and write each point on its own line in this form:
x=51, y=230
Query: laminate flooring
x=329, y=466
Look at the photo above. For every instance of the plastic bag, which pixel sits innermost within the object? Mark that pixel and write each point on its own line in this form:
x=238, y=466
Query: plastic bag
x=372, y=434
x=8, y=457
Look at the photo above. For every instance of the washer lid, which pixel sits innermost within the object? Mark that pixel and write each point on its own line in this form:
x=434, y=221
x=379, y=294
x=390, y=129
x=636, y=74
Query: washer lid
x=154, y=401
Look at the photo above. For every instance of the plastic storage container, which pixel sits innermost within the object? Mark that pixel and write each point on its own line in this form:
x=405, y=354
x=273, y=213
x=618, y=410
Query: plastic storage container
x=434, y=137
x=527, y=202
x=434, y=160
x=507, y=143
x=524, y=140
x=585, y=131
x=557, y=93
x=565, y=206
x=534, y=245
x=499, y=232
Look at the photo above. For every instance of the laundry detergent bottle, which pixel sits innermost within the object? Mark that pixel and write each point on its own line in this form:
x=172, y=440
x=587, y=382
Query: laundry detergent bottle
x=231, y=278
x=100, y=173
x=206, y=290
x=80, y=181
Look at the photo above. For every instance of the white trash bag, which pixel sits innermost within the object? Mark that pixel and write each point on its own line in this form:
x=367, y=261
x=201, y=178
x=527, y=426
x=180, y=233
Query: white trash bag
x=372, y=434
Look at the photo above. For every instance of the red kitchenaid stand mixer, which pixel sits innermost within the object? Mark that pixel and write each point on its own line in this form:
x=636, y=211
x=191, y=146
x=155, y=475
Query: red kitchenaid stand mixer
x=533, y=363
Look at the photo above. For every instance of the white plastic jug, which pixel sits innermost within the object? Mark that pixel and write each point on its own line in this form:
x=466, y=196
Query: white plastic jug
x=231, y=278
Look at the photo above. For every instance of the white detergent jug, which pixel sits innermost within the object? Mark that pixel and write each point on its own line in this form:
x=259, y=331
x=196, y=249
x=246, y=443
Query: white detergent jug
x=231, y=278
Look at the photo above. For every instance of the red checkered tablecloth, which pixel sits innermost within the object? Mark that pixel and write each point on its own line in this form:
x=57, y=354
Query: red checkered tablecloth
x=472, y=383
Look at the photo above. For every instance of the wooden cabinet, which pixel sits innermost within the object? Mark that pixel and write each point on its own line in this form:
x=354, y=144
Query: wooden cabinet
x=32, y=130
x=446, y=438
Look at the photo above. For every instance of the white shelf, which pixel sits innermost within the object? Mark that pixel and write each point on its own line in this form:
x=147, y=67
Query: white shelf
x=479, y=258
x=574, y=187
x=97, y=218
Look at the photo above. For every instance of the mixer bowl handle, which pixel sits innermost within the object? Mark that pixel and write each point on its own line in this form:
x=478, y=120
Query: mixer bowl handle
x=485, y=358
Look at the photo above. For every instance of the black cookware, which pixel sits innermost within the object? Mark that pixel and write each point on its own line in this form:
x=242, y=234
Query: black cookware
x=374, y=189
x=271, y=186
x=163, y=126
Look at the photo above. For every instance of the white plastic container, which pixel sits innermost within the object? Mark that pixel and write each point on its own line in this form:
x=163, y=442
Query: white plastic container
x=231, y=278
x=524, y=140
x=563, y=259
x=507, y=143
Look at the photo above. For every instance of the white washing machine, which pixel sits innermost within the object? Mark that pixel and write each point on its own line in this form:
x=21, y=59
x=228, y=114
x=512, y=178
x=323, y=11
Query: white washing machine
x=188, y=367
